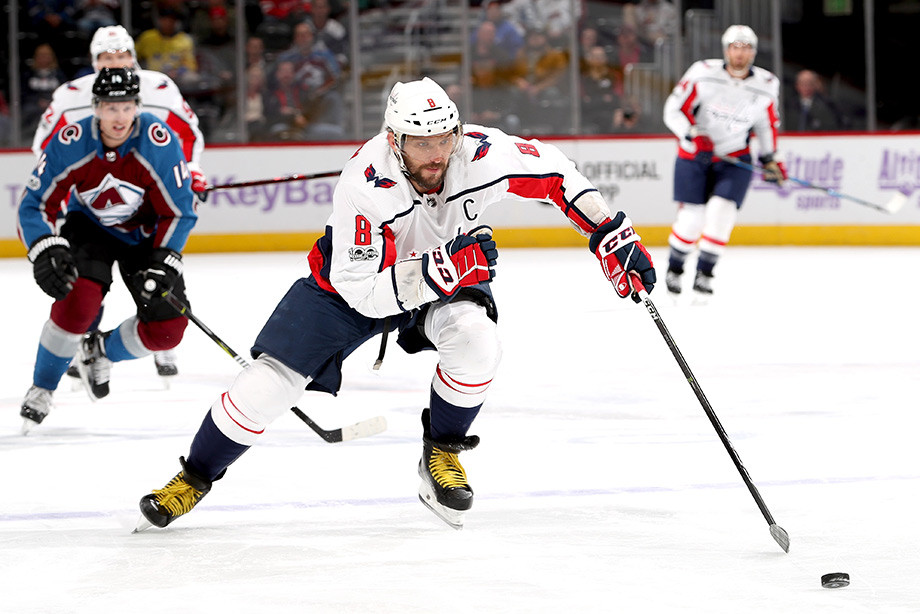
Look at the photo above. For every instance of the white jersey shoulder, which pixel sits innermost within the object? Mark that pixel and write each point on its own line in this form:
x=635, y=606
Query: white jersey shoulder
x=159, y=95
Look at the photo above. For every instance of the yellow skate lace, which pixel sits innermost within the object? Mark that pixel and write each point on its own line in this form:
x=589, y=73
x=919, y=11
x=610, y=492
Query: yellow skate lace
x=177, y=497
x=446, y=469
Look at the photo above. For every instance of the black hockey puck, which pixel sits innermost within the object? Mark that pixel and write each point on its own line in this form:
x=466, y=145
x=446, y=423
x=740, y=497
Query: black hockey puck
x=835, y=580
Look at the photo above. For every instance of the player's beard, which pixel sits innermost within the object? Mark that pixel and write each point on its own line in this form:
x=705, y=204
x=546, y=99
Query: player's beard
x=423, y=178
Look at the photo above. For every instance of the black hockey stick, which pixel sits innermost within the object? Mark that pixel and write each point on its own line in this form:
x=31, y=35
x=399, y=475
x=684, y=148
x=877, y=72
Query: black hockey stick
x=364, y=428
x=892, y=206
x=294, y=177
x=778, y=533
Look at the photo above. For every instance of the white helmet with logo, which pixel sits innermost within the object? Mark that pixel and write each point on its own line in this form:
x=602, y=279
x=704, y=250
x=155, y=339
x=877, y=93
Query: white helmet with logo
x=110, y=39
x=420, y=108
x=739, y=34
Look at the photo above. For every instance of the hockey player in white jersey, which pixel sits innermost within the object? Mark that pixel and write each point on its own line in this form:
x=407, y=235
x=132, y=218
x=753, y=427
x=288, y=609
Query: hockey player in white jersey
x=714, y=110
x=113, y=47
x=405, y=250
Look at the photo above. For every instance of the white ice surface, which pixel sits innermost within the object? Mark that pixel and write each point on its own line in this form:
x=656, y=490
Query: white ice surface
x=600, y=484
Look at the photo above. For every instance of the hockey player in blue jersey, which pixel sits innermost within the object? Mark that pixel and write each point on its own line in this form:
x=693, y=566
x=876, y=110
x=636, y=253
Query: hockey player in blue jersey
x=130, y=202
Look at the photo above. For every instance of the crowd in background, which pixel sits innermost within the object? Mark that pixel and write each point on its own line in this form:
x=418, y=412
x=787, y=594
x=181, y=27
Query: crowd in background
x=297, y=64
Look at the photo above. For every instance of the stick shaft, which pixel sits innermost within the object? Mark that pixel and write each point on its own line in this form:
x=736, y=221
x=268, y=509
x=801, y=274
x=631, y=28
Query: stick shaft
x=807, y=184
x=255, y=182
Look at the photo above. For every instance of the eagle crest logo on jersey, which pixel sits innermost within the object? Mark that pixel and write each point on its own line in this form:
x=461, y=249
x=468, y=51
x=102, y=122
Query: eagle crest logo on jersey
x=484, y=145
x=362, y=253
x=70, y=133
x=370, y=173
x=113, y=201
x=159, y=134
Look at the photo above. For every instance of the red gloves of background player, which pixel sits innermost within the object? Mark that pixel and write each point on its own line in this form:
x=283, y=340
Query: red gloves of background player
x=199, y=185
x=616, y=245
x=703, y=144
x=465, y=260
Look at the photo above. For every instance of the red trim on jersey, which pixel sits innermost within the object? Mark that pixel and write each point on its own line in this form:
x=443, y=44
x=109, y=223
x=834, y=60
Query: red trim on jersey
x=389, y=248
x=316, y=261
x=687, y=107
x=60, y=124
x=224, y=399
x=551, y=188
x=774, y=120
x=184, y=131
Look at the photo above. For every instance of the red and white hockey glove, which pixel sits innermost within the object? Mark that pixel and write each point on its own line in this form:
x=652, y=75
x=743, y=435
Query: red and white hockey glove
x=465, y=260
x=616, y=245
x=702, y=143
x=773, y=171
x=199, y=185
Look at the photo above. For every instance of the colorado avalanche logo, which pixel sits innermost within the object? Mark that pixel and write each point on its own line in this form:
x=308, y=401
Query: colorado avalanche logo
x=70, y=133
x=159, y=134
x=113, y=201
x=370, y=173
x=484, y=145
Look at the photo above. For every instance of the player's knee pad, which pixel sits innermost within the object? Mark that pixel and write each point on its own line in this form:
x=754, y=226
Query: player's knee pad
x=721, y=214
x=260, y=394
x=76, y=311
x=687, y=227
x=162, y=334
x=469, y=351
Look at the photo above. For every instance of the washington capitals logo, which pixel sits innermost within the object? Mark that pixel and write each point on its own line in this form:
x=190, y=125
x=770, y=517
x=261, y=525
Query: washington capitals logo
x=484, y=145
x=370, y=173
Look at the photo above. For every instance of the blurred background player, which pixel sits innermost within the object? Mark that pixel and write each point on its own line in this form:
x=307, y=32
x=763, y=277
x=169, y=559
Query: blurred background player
x=713, y=111
x=131, y=203
x=113, y=47
x=404, y=250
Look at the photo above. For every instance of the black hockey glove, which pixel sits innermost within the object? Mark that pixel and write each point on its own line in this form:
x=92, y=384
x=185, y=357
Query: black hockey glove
x=617, y=246
x=161, y=276
x=53, y=265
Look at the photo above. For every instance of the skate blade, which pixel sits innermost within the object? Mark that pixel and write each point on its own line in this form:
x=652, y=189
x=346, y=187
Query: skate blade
x=27, y=425
x=142, y=525
x=453, y=518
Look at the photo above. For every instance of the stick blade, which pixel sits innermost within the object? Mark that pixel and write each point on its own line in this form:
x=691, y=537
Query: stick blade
x=365, y=428
x=780, y=535
x=896, y=203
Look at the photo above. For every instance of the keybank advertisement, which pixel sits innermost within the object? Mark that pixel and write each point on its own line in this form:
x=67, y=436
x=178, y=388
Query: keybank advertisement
x=634, y=174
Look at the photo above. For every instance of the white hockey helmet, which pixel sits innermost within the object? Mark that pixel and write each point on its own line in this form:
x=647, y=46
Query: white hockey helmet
x=420, y=108
x=739, y=34
x=111, y=39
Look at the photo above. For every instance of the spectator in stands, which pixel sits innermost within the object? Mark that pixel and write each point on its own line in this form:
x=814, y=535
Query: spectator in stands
x=599, y=97
x=491, y=96
x=256, y=120
x=507, y=36
x=485, y=46
x=41, y=77
x=95, y=14
x=537, y=73
x=255, y=53
x=628, y=49
x=311, y=61
x=289, y=12
x=4, y=120
x=809, y=109
x=653, y=20
x=555, y=17
x=329, y=32
x=283, y=107
x=51, y=21
x=167, y=49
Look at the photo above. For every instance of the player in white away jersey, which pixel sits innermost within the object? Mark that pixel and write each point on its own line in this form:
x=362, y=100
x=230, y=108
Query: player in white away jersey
x=405, y=249
x=113, y=47
x=714, y=110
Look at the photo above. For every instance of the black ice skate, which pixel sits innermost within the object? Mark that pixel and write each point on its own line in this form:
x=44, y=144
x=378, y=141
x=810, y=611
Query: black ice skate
x=702, y=284
x=35, y=406
x=178, y=497
x=166, y=363
x=444, y=488
x=93, y=366
x=672, y=280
